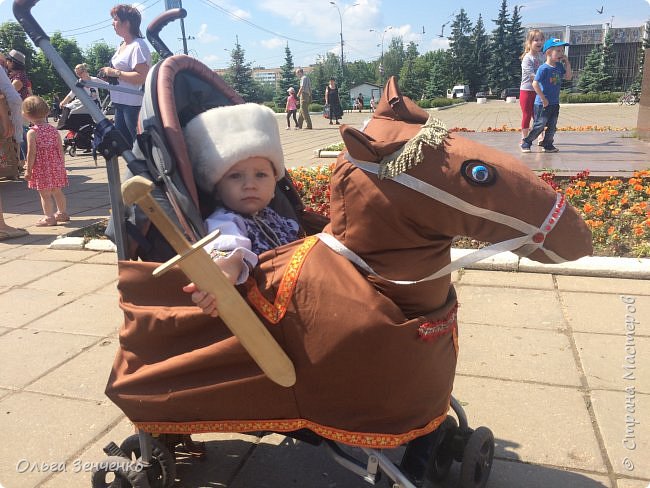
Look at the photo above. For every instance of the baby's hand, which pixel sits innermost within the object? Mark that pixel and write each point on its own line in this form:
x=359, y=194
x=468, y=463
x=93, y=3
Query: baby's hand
x=203, y=300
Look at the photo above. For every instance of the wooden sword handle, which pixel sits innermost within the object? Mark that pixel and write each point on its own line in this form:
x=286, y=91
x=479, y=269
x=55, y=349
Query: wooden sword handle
x=206, y=274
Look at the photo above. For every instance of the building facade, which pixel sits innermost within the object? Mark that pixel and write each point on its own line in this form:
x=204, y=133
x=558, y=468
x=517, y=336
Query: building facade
x=627, y=43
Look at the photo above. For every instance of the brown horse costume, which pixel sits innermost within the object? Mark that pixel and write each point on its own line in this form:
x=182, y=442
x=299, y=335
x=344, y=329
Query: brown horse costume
x=374, y=359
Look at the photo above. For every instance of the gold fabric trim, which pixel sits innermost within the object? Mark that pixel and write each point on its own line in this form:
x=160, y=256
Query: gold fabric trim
x=433, y=133
x=273, y=312
x=358, y=439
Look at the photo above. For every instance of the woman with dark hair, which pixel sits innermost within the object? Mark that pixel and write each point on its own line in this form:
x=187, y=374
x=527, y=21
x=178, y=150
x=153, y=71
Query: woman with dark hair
x=129, y=66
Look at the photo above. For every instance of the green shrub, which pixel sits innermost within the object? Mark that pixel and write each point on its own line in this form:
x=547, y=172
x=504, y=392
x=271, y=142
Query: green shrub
x=315, y=107
x=424, y=103
x=445, y=102
x=593, y=97
x=272, y=105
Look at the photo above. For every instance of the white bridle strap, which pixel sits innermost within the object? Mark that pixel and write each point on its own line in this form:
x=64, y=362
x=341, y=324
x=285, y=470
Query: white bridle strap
x=532, y=239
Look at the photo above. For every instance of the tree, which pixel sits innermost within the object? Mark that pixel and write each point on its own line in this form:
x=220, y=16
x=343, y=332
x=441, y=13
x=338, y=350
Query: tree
x=590, y=76
x=394, y=57
x=240, y=74
x=515, y=38
x=498, y=76
x=45, y=79
x=439, y=75
x=97, y=56
x=319, y=79
x=12, y=36
x=607, y=74
x=287, y=78
x=635, y=87
x=409, y=82
x=460, y=48
x=480, y=57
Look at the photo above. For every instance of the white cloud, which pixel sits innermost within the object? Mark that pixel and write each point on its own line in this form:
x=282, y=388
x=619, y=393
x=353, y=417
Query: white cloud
x=212, y=59
x=273, y=43
x=204, y=36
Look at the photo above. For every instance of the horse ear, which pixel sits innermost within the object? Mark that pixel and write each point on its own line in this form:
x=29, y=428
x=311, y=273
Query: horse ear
x=359, y=145
x=395, y=106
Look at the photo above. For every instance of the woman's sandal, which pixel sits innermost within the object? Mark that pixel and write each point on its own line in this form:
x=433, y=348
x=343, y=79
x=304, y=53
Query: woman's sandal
x=62, y=217
x=46, y=222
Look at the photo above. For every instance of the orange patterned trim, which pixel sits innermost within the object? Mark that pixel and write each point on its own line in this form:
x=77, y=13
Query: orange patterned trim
x=358, y=439
x=273, y=312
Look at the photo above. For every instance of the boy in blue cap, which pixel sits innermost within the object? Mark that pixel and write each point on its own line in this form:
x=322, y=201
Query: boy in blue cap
x=547, y=84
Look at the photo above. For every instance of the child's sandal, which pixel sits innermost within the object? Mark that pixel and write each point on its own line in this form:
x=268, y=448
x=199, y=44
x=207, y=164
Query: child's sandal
x=62, y=217
x=46, y=222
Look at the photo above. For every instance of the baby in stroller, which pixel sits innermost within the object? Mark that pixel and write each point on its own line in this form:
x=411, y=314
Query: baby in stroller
x=237, y=156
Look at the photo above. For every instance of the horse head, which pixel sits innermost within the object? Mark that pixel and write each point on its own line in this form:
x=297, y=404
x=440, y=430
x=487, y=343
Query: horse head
x=405, y=188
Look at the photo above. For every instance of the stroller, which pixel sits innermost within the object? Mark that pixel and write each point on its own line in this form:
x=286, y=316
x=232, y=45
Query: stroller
x=177, y=89
x=80, y=126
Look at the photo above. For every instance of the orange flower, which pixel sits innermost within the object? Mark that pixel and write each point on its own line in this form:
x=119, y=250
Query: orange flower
x=611, y=230
x=638, y=230
x=588, y=208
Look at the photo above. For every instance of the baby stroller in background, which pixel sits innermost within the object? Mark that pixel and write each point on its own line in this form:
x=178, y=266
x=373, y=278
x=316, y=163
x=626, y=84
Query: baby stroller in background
x=168, y=107
x=80, y=126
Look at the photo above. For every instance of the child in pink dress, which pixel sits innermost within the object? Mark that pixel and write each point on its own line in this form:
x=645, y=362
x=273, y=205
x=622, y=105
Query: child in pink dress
x=45, y=162
x=292, y=107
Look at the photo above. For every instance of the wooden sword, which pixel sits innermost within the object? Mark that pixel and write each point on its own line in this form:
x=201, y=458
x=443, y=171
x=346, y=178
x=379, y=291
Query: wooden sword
x=199, y=267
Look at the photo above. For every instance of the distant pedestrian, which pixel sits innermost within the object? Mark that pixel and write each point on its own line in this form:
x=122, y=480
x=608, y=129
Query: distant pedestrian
x=45, y=170
x=531, y=60
x=359, y=102
x=304, y=95
x=334, y=101
x=291, y=107
x=373, y=103
x=547, y=84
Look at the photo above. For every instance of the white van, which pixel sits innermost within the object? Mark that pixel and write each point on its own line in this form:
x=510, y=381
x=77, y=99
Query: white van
x=459, y=91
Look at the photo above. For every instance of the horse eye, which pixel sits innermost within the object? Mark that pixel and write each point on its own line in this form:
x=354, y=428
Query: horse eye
x=478, y=173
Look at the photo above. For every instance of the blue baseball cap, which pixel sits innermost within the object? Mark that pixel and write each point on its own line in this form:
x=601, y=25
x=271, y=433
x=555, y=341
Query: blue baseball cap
x=552, y=42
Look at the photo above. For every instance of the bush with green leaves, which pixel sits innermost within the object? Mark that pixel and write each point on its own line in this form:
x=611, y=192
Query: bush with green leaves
x=593, y=97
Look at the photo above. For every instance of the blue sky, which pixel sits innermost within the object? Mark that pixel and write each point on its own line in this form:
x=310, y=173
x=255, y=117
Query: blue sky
x=312, y=27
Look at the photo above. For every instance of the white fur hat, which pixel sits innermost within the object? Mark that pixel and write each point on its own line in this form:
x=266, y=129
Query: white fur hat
x=219, y=138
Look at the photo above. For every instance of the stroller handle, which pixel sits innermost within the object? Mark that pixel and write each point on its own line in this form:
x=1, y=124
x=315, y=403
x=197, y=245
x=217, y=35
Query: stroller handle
x=22, y=12
x=157, y=24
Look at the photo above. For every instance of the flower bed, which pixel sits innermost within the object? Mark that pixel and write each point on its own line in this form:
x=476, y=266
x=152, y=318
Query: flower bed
x=616, y=210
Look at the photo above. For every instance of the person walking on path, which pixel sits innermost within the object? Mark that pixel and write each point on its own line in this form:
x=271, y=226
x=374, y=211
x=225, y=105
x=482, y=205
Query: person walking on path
x=547, y=83
x=531, y=60
x=304, y=95
x=129, y=66
x=45, y=170
x=291, y=107
x=334, y=101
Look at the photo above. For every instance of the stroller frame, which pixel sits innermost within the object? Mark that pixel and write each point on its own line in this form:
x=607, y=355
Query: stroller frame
x=154, y=464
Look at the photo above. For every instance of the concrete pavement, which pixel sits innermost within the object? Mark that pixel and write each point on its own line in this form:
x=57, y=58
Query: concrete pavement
x=556, y=365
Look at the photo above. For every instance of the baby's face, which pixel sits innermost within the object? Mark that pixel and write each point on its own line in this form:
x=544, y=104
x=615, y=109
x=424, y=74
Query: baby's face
x=248, y=186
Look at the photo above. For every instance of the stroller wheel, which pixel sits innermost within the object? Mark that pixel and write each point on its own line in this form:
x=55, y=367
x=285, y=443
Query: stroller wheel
x=443, y=457
x=477, y=459
x=162, y=472
x=104, y=477
x=72, y=151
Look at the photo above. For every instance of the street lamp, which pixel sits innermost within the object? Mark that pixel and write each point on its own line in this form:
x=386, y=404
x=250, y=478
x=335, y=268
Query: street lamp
x=381, y=60
x=341, y=27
